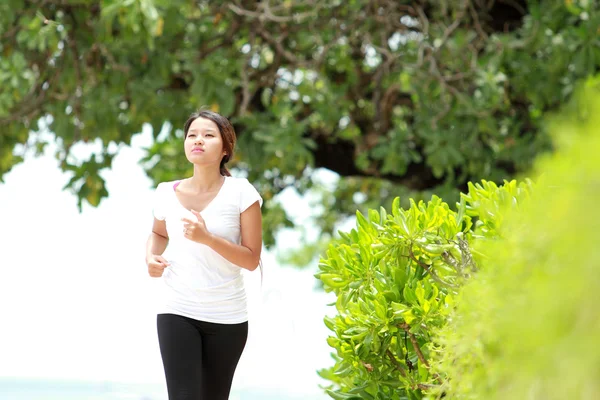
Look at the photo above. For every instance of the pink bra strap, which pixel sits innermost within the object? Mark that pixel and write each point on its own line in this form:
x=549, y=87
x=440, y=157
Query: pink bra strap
x=176, y=184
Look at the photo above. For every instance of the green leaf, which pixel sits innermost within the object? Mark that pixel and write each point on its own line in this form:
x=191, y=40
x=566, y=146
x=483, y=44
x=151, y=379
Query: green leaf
x=336, y=395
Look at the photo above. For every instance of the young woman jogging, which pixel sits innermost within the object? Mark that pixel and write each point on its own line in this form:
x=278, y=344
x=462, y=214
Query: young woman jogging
x=206, y=229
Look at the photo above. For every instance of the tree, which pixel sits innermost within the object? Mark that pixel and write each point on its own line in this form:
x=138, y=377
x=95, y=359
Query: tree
x=394, y=96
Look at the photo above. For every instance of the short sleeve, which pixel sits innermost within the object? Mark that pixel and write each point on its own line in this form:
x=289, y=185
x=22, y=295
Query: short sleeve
x=248, y=195
x=158, y=202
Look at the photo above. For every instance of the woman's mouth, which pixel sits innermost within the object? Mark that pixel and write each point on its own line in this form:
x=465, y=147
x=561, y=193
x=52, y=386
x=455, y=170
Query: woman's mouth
x=197, y=150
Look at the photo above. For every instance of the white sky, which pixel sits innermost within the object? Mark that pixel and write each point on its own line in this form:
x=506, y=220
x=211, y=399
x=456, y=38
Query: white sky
x=76, y=301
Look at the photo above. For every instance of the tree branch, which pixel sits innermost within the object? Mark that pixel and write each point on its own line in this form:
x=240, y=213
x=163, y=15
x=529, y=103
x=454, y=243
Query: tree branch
x=429, y=269
x=404, y=326
x=33, y=101
x=475, y=17
x=427, y=386
x=278, y=46
x=111, y=59
x=458, y=19
x=396, y=363
x=78, y=93
x=269, y=16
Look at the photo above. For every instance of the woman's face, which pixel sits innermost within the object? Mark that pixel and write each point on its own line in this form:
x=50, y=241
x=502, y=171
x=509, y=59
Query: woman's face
x=203, y=143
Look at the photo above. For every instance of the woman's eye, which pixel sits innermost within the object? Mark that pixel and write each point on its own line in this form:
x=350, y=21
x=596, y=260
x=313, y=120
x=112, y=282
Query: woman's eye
x=209, y=135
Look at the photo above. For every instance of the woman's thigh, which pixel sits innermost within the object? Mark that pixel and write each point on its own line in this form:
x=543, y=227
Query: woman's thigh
x=222, y=347
x=181, y=350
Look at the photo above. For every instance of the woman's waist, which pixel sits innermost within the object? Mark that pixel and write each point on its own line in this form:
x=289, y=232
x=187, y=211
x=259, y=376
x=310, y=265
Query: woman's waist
x=200, y=278
x=203, y=263
x=207, y=259
x=184, y=293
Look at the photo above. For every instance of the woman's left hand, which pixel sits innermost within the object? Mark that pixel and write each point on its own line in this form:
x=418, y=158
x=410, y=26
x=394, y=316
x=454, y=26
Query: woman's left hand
x=196, y=230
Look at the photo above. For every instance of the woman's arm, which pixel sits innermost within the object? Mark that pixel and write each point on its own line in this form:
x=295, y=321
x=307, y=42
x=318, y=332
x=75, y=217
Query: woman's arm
x=155, y=246
x=158, y=239
x=245, y=255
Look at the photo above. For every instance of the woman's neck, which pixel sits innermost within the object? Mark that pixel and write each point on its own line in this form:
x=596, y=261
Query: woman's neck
x=205, y=179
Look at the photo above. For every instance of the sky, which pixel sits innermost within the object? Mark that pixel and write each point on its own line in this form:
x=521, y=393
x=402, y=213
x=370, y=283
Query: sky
x=77, y=303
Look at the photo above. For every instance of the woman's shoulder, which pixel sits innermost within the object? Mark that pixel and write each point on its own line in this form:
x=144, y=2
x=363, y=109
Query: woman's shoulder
x=246, y=192
x=236, y=181
x=167, y=185
x=239, y=183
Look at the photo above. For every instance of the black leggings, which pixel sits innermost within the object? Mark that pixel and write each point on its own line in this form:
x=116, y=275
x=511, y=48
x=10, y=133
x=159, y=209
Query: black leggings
x=199, y=357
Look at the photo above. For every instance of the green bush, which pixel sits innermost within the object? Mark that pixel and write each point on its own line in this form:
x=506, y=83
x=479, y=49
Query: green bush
x=395, y=277
x=527, y=326
x=524, y=327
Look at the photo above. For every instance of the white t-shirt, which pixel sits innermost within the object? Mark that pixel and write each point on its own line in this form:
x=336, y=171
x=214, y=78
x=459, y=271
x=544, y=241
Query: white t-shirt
x=200, y=283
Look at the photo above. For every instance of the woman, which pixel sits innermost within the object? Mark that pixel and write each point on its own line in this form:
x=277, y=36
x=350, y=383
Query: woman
x=213, y=226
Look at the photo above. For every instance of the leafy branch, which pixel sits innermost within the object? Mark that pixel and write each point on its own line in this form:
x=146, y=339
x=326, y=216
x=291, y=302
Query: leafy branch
x=429, y=269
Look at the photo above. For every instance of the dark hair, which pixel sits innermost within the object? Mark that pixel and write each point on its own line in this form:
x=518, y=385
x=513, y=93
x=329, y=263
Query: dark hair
x=225, y=128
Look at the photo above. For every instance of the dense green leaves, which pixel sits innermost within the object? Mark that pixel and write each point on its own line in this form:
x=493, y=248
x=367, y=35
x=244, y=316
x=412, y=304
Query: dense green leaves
x=489, y=302
x=400, y=98
x=395, y=277
x=527, y=325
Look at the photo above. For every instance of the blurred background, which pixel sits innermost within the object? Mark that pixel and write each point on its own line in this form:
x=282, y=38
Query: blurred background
x=79, y=319
x=339, y=106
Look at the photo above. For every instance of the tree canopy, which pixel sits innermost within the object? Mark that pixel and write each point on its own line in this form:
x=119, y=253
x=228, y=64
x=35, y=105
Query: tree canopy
x=394, y=96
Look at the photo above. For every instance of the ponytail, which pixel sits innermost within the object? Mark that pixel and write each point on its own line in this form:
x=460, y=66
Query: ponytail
x=224, y=171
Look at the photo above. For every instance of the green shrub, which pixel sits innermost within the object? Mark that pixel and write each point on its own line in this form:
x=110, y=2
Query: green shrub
x=395, y=277
x=524, y=327
x=527, y=326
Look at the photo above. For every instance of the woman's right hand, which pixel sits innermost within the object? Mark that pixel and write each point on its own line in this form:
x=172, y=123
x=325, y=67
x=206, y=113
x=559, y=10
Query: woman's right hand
x=156, y=265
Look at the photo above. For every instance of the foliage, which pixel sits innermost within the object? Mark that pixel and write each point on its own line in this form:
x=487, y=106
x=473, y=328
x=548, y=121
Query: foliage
x=428, y=95
x=395, y=277
x=527, y=326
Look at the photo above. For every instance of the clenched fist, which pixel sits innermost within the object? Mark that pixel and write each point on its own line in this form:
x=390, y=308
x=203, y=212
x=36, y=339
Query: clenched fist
x=156, y=265
x=196, y=231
